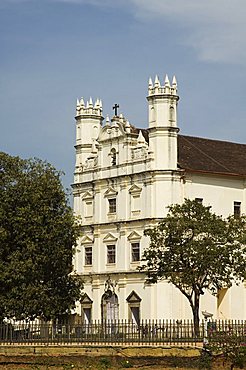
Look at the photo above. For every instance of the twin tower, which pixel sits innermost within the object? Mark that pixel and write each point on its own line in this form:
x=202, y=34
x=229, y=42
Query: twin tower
x=162, y=125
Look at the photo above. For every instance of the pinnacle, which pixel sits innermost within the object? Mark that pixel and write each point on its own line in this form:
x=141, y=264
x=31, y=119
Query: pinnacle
x=157, y=82
x=140, y=138
x=107, y=123
x=167, y=82
x=96, y=103
x=128, y=127
x=174, y=82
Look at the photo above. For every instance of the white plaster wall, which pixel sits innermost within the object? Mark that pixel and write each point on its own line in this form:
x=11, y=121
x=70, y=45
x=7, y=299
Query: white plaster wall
x=160, y=184
x=217, y=191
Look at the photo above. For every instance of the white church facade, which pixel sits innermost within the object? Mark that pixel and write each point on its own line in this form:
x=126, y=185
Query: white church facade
x=125, y=177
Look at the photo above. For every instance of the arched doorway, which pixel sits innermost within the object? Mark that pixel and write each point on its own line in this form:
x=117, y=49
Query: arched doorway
x=109, y=307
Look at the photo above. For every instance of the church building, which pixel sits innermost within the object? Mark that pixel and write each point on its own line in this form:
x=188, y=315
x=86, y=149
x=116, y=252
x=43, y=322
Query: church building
x=125, y=177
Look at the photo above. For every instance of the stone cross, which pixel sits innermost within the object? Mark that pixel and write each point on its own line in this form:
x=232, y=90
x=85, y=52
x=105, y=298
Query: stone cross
x=115, y=107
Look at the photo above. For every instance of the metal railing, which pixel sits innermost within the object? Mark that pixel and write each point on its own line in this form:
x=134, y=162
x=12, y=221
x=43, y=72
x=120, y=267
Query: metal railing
x=157, y=332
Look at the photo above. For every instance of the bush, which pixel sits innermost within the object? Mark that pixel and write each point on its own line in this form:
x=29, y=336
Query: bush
x=231, y=345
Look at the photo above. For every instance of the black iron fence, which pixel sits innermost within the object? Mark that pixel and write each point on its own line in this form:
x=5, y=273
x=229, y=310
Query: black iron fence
x=162, y=332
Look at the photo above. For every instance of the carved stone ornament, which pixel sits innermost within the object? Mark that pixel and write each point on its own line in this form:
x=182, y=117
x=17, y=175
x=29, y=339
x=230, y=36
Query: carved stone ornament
x=109, y=286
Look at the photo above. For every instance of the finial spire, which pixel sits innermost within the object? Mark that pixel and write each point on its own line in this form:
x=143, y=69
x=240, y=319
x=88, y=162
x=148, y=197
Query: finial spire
x=150, y=83
x=157, y=82
x=167, y=82
x=82, y=103
x=140, y=139
x=96, y=103
x=107, y=123
x=174, y=85
x=128, y=127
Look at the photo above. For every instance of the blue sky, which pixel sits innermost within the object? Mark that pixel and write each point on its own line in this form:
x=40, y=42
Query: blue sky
x=55, y=51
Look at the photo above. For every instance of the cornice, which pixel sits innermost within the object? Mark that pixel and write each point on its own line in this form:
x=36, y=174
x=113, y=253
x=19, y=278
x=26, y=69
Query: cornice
x=150, y=172
x=122, y=222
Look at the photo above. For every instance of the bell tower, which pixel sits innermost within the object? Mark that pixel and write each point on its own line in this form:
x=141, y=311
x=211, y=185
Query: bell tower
x=163, y=128
x=88, y=123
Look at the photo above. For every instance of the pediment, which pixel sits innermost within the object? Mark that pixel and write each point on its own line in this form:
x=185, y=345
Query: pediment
x=87, y=195
x=109, y=238
x=109, y=132
x=134, y=236
x=133, y=298
x=86, y=299
x=135, y=189
x=110, y=192
x=87, y=239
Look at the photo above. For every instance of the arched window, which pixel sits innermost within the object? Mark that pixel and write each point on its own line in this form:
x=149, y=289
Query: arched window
x=113, y=157
x=172, y=114
x=109, y=306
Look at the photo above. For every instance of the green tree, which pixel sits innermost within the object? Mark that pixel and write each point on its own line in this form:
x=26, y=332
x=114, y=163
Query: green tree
x=37, y=239
x=195, y=250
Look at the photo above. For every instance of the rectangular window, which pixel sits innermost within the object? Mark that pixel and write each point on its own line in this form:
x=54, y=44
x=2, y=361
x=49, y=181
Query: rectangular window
x=88, y=208
x=135, y=314
x=88, y=255
x=110, y=253
x=112, y=205
x=135, y=252
x=135, y=203
x=199, y=200
x=237, y=209
x=86, y=315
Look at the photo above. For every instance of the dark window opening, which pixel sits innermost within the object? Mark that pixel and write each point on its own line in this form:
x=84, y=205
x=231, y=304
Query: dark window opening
x=199, y=200
x=237, y=209
x=88, y=255
x=135, y=252
x=112, y=205
x=113, y=157
x=110, y=253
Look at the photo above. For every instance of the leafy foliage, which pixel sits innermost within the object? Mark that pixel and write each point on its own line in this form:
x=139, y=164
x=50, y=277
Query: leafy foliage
x=195, y=250
x=231, y=344
x=37, y=238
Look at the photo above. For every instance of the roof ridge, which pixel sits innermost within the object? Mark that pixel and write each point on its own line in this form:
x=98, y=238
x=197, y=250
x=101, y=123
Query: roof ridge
x=209, y=139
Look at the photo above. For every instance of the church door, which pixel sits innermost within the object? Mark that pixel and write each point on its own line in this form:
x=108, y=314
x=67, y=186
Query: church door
x=110, y=307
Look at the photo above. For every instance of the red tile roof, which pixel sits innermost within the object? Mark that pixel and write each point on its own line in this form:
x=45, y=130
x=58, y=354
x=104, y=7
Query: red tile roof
x=215, y=156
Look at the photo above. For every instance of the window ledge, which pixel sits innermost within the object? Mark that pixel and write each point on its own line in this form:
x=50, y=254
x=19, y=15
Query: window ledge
x=112, y=216
x=136, y=213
